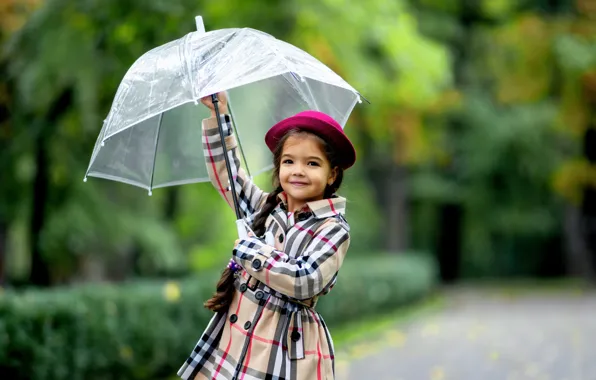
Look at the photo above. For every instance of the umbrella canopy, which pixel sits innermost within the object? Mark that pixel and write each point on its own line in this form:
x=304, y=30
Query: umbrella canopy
x=151, y=137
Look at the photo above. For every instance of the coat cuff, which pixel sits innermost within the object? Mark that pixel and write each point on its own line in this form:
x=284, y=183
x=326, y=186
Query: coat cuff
x=252, y=253
x=210, y=124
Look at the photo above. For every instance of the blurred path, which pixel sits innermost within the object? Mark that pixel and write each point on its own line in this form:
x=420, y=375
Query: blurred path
x=484, y=335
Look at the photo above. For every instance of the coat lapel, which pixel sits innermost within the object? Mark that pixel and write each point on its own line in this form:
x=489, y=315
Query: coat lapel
x=279, y=217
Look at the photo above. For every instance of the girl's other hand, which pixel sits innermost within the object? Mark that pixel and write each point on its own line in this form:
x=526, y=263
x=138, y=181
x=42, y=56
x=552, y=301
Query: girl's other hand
x=223, y=103
x=250, y=234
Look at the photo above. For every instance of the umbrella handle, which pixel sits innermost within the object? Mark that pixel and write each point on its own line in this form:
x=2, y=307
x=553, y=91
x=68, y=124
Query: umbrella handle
x=243, y=229
x=200, y=25
x=225, y=154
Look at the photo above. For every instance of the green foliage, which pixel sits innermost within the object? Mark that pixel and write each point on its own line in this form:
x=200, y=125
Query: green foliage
x=388, y=60
x=373, y=284
x=511, y=169
x=484, y=101
x=105, y=222
x=575, y=54
x=510, y=147
x=145, y=330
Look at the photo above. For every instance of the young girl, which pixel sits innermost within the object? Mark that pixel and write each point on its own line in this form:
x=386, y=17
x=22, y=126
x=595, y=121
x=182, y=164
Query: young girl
x=266, y=325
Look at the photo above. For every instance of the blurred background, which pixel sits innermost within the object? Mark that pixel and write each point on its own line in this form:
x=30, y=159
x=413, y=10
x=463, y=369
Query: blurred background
x=476, y=161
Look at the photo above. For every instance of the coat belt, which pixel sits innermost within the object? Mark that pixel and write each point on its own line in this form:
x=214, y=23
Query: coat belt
x=254, y=285
x=294, y=336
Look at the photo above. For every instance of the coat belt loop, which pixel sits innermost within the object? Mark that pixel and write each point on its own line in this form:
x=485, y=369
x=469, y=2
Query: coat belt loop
x=252, y=283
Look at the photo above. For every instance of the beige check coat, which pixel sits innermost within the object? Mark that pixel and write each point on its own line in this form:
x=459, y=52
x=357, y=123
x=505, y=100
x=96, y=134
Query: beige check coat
x=272, y=330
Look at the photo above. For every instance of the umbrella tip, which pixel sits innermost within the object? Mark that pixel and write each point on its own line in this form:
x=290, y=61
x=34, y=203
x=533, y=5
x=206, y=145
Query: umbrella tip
x=150, y=193
x=200, y=25
x=85, y=179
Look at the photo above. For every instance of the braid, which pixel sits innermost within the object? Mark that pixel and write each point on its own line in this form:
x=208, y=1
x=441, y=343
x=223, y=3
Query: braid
x=224, y=293
x=258, y=226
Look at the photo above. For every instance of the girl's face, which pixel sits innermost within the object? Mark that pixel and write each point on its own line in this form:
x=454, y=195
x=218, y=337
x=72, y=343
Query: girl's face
x=304, y=170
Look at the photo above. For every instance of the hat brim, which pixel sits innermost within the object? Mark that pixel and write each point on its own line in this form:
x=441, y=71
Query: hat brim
x=321, y=128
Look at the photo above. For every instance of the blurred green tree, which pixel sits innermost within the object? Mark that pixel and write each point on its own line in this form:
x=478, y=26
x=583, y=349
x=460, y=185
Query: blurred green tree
x=472, y=146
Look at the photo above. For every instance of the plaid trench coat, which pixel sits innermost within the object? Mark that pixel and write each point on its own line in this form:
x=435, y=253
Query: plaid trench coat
x=271, y=329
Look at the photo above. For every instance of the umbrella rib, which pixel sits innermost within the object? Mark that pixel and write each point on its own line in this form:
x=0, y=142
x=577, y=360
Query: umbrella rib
x=278, y=55
x=238, y=139
x=292, y=69
x=155, y=151
x=97, y=149
x=187, y=65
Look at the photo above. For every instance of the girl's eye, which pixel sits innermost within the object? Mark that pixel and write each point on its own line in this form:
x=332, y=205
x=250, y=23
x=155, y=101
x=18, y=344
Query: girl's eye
x=313, y=163
x=286, y=161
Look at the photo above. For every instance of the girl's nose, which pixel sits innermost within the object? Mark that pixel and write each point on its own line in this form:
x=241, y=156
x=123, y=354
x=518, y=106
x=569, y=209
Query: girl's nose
x=298, y=170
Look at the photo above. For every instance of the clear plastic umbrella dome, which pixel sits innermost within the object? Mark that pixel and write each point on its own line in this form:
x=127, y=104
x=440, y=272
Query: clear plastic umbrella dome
x=151, y=137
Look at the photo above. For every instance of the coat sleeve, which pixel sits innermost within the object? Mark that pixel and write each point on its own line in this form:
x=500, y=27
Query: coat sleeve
x=250, y=196
x=303, y=277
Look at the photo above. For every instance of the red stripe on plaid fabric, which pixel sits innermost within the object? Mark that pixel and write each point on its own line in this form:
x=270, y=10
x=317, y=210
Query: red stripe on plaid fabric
x=323, y=238
x=313, y=352
x=247, y=359
x=276, y=258
x=223, y=357
x=300, y=228
x=260, y=339
x=223, y=146
x=268, y=267
x=277, y=343
x=319, y=361
x=332, y=208
x=318, y=346
x=267, y=275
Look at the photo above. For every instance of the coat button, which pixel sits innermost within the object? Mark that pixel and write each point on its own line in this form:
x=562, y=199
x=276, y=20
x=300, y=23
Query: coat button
x=281, y=238
x=247, y=325
x=243, y=287
x=295, y=336
x=256, y=264
x=305, y=215
x=259, y=295
x=233, y=318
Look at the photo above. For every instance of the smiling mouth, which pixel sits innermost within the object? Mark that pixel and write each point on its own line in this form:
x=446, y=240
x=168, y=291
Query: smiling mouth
x=298, y=183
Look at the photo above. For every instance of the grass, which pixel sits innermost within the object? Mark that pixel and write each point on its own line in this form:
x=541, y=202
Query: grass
x=521, y=287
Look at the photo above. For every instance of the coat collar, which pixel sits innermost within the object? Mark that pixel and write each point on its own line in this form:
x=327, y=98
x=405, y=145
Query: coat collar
x=321, y=209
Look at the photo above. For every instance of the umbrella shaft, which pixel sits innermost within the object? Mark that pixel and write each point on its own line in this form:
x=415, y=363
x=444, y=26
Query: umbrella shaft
x=226, y=158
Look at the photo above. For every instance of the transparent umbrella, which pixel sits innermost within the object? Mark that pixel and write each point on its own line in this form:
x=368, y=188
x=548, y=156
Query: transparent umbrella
x=151, y=137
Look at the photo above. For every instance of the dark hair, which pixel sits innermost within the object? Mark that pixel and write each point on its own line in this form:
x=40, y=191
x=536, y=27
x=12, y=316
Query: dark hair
x=222, y=299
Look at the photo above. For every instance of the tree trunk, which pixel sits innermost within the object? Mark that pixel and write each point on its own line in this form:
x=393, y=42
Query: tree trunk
x=39, y=275
x=588, y=211
x=449, y=242
x=396, y=201
x=588, y=230
x=389, y=182
x=40, y=271
x=579, y=262
x=171, y=203
x=3, y=250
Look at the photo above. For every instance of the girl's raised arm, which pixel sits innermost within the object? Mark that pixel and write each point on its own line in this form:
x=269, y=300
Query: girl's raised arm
x=305, y=276
x=250, y=196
